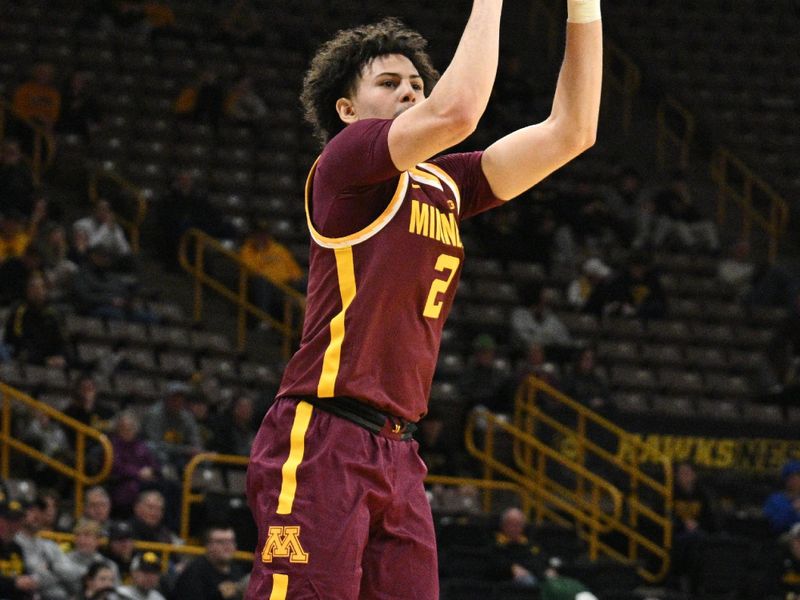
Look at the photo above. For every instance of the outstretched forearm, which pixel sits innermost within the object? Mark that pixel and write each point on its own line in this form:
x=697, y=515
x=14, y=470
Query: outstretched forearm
x=518, y=161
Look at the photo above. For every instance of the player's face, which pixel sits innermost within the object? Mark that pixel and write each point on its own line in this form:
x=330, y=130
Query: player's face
x=388, y=86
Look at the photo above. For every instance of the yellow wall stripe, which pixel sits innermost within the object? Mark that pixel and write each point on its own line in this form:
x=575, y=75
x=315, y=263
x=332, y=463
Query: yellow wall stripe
x=280, y=584
x=302, y=417
x=333, y=354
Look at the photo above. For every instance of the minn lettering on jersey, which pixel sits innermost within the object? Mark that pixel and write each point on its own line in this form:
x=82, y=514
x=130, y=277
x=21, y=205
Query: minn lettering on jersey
x=284, y=542
x=429, y=221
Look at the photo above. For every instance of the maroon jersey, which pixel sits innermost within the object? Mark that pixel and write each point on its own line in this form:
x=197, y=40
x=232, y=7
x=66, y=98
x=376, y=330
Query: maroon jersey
x=385, y=260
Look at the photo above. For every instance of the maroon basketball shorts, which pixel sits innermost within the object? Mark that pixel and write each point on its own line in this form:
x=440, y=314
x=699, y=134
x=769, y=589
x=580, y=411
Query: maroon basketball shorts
x=341, y=512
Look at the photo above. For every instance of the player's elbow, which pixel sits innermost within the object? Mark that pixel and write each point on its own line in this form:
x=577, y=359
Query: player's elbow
x=461, y=122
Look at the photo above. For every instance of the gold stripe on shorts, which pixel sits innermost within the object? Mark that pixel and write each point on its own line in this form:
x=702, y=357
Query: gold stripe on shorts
x=302, y=417
x=280, y=583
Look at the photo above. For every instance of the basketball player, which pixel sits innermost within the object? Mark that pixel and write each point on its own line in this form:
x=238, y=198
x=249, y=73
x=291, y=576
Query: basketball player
x=335, y=483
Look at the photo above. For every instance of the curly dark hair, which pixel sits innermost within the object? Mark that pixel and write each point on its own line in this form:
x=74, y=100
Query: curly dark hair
x=338, y=64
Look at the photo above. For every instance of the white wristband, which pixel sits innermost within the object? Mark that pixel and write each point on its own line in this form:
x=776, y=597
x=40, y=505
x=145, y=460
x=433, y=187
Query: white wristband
x=583, y=11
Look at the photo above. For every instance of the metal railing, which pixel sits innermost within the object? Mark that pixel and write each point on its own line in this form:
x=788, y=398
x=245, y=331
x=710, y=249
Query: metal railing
x=43, y=146
x=194, y=251
x=675, y=129
x=622, y=77
x=116, y=185
x=760, y=204
x=11, y=399
x=564, y=455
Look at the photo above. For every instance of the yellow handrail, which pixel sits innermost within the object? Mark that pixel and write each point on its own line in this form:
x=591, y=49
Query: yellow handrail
x=44, y=144
x=682, y=137
x=554, y=457
x=132, y=224
x=12, y=397
x=739, y=183
x=165, y=550
x=191, y=497
x=195, y=264
x=621, y=76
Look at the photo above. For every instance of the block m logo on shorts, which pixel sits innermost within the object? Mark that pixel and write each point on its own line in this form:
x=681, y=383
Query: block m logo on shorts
x=284, y=542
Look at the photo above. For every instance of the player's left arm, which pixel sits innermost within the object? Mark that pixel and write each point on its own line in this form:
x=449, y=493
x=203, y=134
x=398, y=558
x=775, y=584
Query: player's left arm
x=518, y=161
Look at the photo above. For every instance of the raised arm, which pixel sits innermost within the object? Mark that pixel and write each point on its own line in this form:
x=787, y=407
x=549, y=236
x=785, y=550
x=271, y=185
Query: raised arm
x=455, y=105
x=521, y=159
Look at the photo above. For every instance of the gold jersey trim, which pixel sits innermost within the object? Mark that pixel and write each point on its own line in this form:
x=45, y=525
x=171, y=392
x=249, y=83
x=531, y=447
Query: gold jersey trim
x=297, y=444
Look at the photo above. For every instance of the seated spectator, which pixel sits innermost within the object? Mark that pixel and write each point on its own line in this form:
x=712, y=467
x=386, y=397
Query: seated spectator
x=788, y=572
x=694, y=518
x=201, y=100
x=782, y=508
x=243, y=104
x=98, y=582
x=48, y=437
x=242, y=24
x=97, y=507
x=148, y=519
x=680, y=222
x=636, y=291
x=102, y=231
x=214, y=575
x=16, y=180
x=171, y=428
x=119, y=548
x=595, y=274
x=80, y=114
x=484, y=383
x=536, y=323
x=737, y=270
x=199, y=404
x=16, y=232
x=15, y=273
x=586, y=383
x=53, y=572
x=85, y=407
x=54, y=516
x=16, y=581
x=100, y=292
x=88, y=535
x=134, y=468
x=515, y=558
x=57, y=267
x=536, y=363
x=272, y=263
x=33, y=330
x=235, y=427
x=37, y=99
x=145, y=578
x=626, y=198
x=436, y=451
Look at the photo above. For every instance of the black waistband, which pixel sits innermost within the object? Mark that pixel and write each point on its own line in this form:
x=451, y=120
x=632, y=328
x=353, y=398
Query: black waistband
x=365, y=416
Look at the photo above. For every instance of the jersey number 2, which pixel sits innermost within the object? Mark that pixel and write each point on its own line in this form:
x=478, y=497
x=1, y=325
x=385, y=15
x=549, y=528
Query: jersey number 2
x=444, y=264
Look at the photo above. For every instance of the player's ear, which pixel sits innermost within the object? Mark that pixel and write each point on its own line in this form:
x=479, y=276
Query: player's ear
x=346, y=110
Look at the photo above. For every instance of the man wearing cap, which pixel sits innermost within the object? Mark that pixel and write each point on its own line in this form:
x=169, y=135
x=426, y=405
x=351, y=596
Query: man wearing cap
x=15, y=582
x=145, y=575
x=782, y=509
x=214, y=576
x=172, y=427
x=119, y=549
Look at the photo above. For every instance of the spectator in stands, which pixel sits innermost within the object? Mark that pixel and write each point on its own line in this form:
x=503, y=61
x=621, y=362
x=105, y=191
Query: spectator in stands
x=595, y=274
x=148, y=519
x=680, y=223
x=145, y=578
x=201, y=100
x=737, y=270
x=636, y=291
x=15, y=273
x=33, y=329
x=16, y=179
x=586, y=383
x=102, y=231
x=97, y=507
x=591, y=220
x=241, y=24
x=782, y=508
x=536, y=363
x=536, y=323
x=80, y=112
x=171, y=428
x=120, y=548
x=215, y=575
x=626, y=198
x=37, y=99
x=57, y=267
x=85, y=407
x=17, y=231
x=272, y=264
x=244, y=105
x=235, y=428
x=134, y=468
x=484, y=382
x=435, y=449
x=695, y=517
x=88, y=535
x=16, y=582
x=48, y=437
x=53, y=572
x=514, y=557
x=199, y=404
x=98, y=581
x=788, y=573
x=54, y=518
